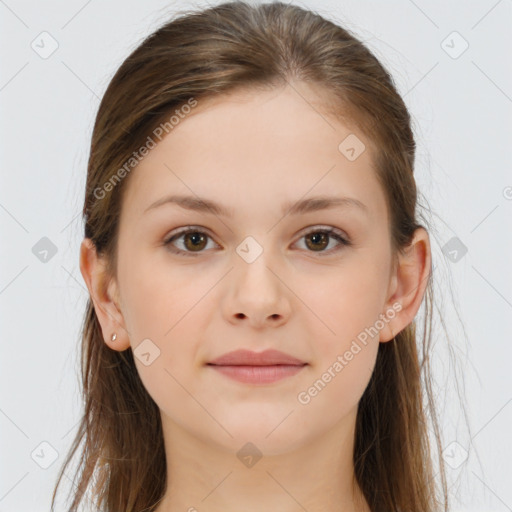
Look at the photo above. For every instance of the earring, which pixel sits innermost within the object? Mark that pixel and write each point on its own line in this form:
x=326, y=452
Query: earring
x=114, y=336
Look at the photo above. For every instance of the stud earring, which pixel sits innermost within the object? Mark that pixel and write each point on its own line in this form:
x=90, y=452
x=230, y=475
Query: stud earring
x=114, y=337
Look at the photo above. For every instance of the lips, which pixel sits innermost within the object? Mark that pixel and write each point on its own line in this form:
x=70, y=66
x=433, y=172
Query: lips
x=248, y=358
x=253, y=368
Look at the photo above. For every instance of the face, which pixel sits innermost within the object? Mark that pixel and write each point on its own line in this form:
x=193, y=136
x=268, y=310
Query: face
x=256, y=276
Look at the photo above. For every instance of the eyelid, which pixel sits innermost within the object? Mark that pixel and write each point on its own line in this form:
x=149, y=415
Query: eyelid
x=341, y=237
x=324, y=228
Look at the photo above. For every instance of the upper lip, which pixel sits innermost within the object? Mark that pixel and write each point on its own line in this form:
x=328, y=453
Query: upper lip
x=249, y=358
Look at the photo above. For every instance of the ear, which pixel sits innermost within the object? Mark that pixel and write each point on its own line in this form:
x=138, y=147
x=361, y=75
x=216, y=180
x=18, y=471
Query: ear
x=408, y=283
x=104, y=295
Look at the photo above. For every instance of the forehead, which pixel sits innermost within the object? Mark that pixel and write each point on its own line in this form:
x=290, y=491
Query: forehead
x=254, y=145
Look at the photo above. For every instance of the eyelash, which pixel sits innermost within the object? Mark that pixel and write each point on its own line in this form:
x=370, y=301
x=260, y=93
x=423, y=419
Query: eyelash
x=331, y=232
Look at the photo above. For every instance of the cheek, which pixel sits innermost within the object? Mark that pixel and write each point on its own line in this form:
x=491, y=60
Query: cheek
x=346, y=341
x=344, y=304
x=157, y=296
x=165, y=311
x=162, y=304
x=335, y=390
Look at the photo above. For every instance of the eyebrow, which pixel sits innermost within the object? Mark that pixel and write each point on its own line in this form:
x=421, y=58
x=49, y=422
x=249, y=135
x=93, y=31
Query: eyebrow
x=301, y=207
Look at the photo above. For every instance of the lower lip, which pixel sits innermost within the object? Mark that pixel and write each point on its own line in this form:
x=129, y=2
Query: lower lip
x=258, y=374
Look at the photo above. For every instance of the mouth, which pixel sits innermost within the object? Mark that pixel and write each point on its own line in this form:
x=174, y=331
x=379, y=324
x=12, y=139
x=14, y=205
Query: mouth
x=258, y=374
x=257, y=367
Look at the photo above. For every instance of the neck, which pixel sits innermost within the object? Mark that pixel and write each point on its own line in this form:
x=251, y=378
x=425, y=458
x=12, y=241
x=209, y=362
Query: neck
x=318, y=475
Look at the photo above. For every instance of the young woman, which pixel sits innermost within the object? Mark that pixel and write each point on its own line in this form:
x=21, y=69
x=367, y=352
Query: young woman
x=255, y=266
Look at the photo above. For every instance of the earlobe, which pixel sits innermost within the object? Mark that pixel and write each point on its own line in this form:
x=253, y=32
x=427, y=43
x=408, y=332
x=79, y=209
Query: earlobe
x=101, y=289
x=408, y=284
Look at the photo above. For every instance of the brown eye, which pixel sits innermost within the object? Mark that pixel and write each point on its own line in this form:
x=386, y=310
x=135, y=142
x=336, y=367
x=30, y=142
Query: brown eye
x=319, y=240
x=194, y=242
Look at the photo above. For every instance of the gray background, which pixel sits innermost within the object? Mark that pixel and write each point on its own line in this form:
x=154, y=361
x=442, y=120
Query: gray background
x=461, y=102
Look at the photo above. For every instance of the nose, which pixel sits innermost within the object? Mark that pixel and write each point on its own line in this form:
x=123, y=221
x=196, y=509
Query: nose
x=257, y=295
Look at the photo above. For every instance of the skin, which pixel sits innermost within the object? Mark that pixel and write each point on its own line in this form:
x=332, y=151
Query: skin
x=251, y=152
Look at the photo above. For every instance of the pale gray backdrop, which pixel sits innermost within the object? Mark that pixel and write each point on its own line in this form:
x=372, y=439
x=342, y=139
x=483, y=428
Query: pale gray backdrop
x=451, y=62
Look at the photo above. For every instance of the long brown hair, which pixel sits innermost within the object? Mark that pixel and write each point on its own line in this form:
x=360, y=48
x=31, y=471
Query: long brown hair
x=197, y=55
